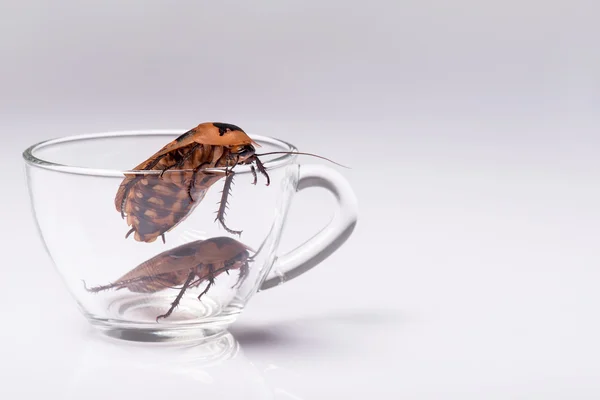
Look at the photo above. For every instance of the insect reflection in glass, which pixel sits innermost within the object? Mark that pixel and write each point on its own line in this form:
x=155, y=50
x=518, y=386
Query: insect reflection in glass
x=188, y=266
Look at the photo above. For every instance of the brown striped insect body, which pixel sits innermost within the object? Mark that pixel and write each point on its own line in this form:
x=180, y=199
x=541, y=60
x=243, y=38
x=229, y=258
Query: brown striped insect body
x=154, y=204
x=188, y=266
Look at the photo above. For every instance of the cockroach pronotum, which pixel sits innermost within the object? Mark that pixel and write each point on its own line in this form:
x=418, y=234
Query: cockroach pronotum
x=188, y=266
x=154, y=204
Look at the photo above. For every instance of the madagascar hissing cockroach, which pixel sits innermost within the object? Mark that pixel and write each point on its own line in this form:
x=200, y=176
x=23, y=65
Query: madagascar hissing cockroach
x=188, y=266
x=154, y=204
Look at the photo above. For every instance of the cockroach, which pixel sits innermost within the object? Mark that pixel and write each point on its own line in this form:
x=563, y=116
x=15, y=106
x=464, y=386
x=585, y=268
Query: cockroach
x=154, y=204
x=188, y=266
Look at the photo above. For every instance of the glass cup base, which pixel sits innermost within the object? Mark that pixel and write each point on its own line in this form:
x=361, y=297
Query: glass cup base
x=191, y=321
x=191, y=335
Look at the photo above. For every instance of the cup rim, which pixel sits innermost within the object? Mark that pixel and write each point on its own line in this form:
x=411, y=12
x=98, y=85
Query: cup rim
x=35, y=161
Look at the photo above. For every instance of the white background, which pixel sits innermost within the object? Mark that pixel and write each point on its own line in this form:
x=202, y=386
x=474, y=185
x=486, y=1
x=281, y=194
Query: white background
x=472, y=130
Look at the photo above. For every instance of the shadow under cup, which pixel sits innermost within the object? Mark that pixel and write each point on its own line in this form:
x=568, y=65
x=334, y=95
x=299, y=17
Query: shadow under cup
x=73, y=182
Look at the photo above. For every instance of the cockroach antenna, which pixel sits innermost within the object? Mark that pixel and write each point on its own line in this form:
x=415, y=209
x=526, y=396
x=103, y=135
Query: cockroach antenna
x=303, y=154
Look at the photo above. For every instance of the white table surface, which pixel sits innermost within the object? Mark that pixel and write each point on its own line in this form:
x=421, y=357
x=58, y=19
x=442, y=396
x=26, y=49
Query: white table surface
x=473, y=273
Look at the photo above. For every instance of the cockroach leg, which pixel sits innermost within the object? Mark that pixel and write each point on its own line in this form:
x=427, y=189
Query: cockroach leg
x=262, y=169
x=97, y=289
x=130, y=232
x=229, y=168
x=182, y=161
x=211, y=281
x=242, y=275
x=155, y=162
x=193, y=180
x=162, y=235
x=253, y=170
x=85, y=286
x=175, y=303
x=196, y=283
x=191, y=186
x=224, y=204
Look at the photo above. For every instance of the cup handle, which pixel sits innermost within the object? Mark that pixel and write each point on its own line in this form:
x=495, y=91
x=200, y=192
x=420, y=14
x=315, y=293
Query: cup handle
x=330, y=238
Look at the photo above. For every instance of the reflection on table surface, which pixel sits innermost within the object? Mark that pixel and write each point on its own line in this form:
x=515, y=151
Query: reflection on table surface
x=218, y=369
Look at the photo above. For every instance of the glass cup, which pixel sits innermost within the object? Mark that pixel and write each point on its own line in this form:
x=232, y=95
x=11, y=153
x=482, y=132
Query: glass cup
x=124, y=286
